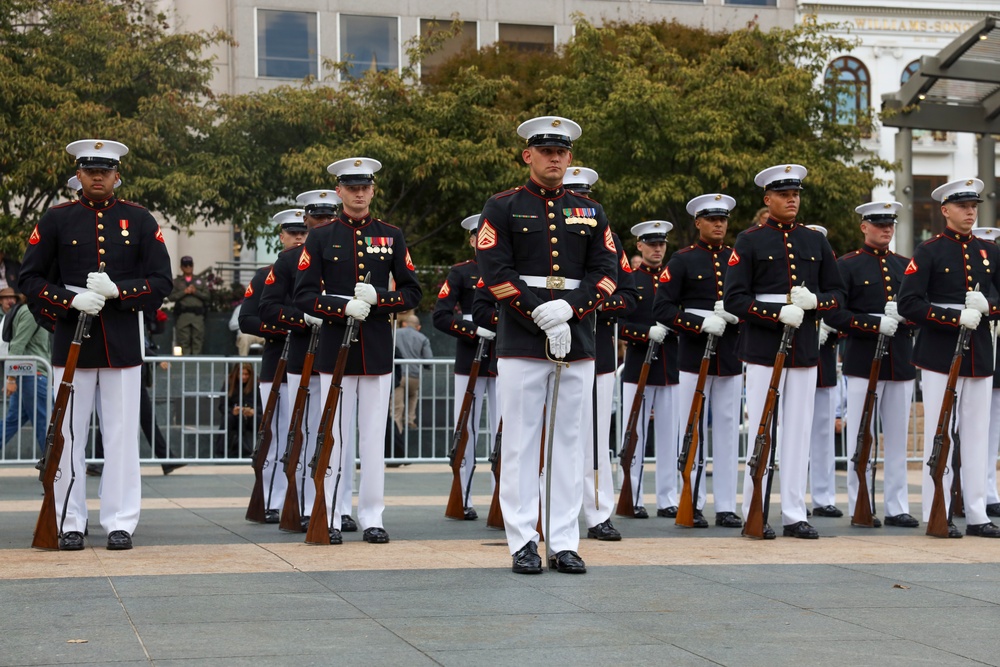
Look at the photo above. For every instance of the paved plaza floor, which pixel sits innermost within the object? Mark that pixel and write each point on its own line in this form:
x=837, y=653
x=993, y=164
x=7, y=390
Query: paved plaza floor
x=205, y=587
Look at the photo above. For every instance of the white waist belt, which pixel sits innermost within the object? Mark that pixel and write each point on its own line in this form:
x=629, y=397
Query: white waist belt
x=773, y=298
x=699, y=312
x=551, y=282
x=74, y=288
x=467, y=317
x=956, y=306
x=340, y=296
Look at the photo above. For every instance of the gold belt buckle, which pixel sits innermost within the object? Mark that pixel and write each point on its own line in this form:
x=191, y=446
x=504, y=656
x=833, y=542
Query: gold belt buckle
x=788, y=298
x=555, y=282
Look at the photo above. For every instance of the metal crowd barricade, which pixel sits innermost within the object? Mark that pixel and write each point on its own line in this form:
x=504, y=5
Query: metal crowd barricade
x=24, y=428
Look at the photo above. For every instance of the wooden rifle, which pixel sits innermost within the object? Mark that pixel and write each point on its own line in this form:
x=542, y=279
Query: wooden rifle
x=495, y=517
x=764, y=448
x=937, y=525
x=256, y=508
x=319, y=525
x=693, y=436
x=626, y=502
x=863, y=505
x=291, y=516
x=47, y=527
x=460, y=439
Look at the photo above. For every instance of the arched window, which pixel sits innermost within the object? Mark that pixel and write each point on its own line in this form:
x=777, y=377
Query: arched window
x=909, y=71
x=852, y=86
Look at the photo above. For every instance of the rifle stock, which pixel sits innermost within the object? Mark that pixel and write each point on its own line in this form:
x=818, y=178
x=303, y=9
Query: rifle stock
x=692, y=437
x=626, y=501
x=460, y=439
x=937, y=524
x=291, y=516
x=318, y=531
x=754, y=522
x=47, y=526
x=256, y=508
x=863, y=515
x=495, y=517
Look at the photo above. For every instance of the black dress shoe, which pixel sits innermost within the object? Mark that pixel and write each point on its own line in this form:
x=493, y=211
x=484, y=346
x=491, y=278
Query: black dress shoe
x=640, y=513
x=527, y=560
x=801, y=530
x=953, y=531
x=119, y=540
x=988, y=529
x=470, y=514
x=568, y=562
x=336, y=537
x=604, y=532
x=728, y=520
x=876, y=523
x=170, y=467
x=901, y=520
x=699, y=520
x=304, y=523
x=993, y=509
x=667, y=512
x=347, y=524
x=94, y=469
x=828, y=510
x=375, y=535
x=768, y=532
x=71, y=541
x=272, y=516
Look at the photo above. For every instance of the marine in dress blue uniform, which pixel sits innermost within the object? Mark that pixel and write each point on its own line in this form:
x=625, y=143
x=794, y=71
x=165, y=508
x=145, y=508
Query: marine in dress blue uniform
x=872, y=277
x=548, y=256
x=782, y=273
x=330, y=286
x=597, y=508
x=453, y=315
x=293, y=233
x=60, y=275
x=689, y=301
x=659, y=400
x=952, y=282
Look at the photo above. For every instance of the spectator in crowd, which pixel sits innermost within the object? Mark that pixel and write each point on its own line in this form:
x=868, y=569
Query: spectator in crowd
x=244, y=341
x=410, y=344
x=27, y=395
x=760, y=217
x=190, y=296
x=9, y=271
x=239, y=407
x=8, y=297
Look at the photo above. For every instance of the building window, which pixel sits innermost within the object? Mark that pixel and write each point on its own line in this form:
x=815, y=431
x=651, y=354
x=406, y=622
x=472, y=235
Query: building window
x=927, y=218
x=756, y=3
x=909, y=71
x=369, y=43
x=287, y=44
x=467, y=39
x=539, y=38
x=849, y=79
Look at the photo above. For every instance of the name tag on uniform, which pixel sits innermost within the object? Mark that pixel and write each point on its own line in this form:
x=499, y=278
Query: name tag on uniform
x=581, y=216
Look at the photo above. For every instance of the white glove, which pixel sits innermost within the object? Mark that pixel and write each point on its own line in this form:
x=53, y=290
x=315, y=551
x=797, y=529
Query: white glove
x=713, y=324
x=366, y=293
x=824, y=332
x=551, y=313
x=892, y=310
x=969, y=319
x=657, y=333
x=102, y=284
x=803, y=298
x=791, y=315
x=887, y=326
x=560, y=339
x=357, y=309
x=88, y=302
x=721, y=312
x=312, y=320
x=974, y=300
x=483, y=332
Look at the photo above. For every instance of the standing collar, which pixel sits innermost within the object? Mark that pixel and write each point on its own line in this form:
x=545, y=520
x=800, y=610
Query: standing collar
x=98, y=205
x=355, y=222
x=710, y=248
x=875, y=251
x=783, y=226
x=542, y=191
x=955, y=236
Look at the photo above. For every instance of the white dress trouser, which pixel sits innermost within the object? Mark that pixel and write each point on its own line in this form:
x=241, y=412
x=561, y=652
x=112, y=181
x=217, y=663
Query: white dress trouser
x=314, y=406
x=894, y=411
x=275, y=482
x=722, y=404
x=121, y=486
x=795, y=407
x=485, y=387
x=659, y=401
x=525, y=389
x=368, y=394
x=822, y=468
x=973, y=402
x=994, y=445
x=599, y=511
